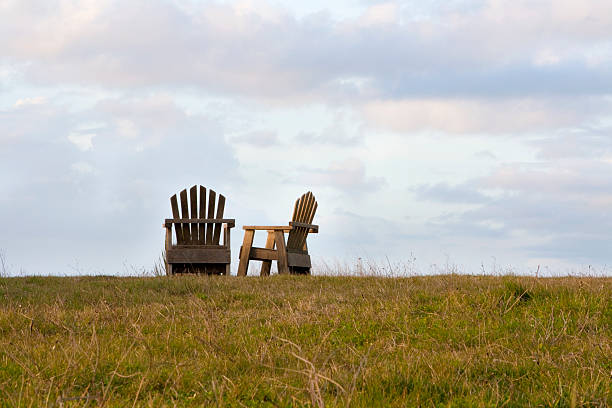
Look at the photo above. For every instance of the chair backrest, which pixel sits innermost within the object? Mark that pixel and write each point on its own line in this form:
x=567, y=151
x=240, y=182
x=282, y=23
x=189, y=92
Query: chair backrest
x=197, y=233
x=303, y=211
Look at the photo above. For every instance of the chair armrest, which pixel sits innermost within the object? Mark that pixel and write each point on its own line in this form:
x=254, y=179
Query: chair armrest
x=267, y=227
x=229, y=221
x=285, y=228
x=311, y=227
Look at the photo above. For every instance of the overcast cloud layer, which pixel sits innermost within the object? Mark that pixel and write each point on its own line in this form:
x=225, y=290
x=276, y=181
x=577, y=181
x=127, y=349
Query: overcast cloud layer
x=476, y=133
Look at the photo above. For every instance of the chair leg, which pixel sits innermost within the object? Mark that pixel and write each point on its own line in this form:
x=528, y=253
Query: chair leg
x=281, y=250
x=266, y=265
x=167, y=246
x=245, y=251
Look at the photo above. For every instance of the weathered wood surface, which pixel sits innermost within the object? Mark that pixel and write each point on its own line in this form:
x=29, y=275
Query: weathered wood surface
x=311, y=227
x=198, y=229
x=281, y=250
x=303, y=213
x=231, y=221
x=263, y=254
x=267, y=227
x=198, y=255
x=202, y=214
x=227, y=243
x=217, y=227
x=192, y=246
x=286, y=228
x=266, y=265
x=211, y=214
x=296, y=259
x=193, y=195
x=291, y=255
x=178, y=227
x=185, y=214
x=168, y=246
x=247, y=243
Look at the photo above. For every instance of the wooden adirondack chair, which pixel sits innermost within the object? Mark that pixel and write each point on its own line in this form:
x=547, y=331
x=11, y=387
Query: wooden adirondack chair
x=292, y=256
x=198, y=233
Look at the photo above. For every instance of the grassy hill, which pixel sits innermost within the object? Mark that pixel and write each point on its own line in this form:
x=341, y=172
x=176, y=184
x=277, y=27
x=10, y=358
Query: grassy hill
x=306, y=341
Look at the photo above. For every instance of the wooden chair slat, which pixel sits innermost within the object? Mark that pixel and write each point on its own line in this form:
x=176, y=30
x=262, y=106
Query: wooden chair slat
x=202, y=227
x=305, y=201
x=302, y=233
x=212, y=196
x=312, y=213
x=178, y=228
x=291, y=235
x=308, y=220
x=217, y=230
x=198, y=231
x=298, y=217
x=193, y=206
x=300, y=244
x=296, y=208
x=298, y=235
x=185, y=214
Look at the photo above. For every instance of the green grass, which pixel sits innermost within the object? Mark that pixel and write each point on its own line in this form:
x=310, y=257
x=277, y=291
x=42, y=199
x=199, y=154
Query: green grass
x=433, y=341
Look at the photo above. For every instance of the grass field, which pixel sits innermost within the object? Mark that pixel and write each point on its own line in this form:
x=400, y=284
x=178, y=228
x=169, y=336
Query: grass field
x=306, y=341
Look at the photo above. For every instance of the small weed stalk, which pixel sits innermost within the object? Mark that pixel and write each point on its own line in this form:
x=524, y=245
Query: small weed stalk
x=159, y=267
x=3, y=267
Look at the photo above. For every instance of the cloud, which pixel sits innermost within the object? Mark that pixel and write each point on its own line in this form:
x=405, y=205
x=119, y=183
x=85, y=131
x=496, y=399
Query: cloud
x=491, y=49
x=571, y=179
x=328, y=137
x=82, y=141
x=586, y=143
x=83, y=167
x=555, y=209
x=260, y=139
x=445, y=193
x=578, y=248
x=380, y=14
x=364, y=235
x=348, y=176
x=37, y=100
x=482, y=115
x=485, y=154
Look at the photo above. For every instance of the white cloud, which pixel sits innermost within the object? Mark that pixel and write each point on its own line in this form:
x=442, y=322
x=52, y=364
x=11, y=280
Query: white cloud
x=380, y=14
x=82, y=167
x=126, y=128
x=481, y=115
x=82, y=140
x=260, y=139
x=347, y=175
x=37, y=100
x=252, y=48
x=546, y=58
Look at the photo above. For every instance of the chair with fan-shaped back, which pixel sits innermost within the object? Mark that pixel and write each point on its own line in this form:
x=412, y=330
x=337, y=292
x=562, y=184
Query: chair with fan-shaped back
x=197, y=230
x=291, y=256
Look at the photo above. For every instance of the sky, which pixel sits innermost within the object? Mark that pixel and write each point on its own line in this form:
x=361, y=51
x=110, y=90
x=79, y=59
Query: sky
x=470, y=136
